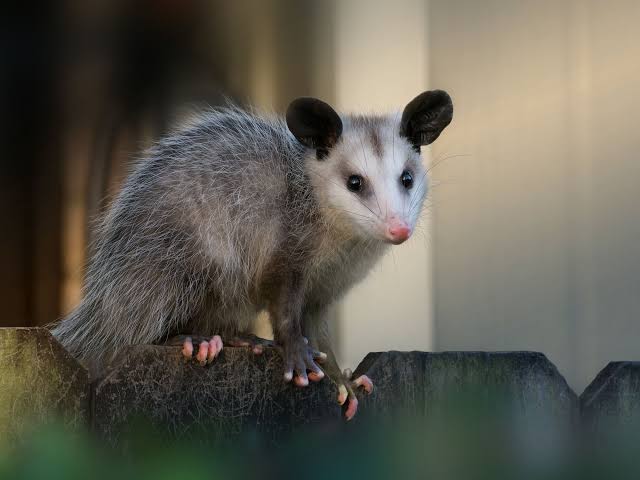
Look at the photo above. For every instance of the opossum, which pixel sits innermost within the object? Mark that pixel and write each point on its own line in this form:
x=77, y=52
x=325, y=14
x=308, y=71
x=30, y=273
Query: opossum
x=238, y=213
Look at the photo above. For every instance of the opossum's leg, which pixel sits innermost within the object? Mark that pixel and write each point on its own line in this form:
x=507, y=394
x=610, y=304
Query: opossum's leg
x=285, y=309
x=351, y=385
x=214, y=322
x=346, y=387
x=317, y=328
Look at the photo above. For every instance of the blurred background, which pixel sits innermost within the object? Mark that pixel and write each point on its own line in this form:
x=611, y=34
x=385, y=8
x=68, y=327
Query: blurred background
x=531, y=237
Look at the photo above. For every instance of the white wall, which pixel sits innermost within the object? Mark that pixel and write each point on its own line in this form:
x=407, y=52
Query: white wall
x=537, y=240
x=380, y=65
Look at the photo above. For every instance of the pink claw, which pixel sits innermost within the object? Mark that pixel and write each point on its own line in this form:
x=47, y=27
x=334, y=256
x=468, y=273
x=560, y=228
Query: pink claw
x=213, y=350
x=352, y=408
x=316, y=376
x=215, y=347
x=365, y=382
x=203, y=351
x=301, y=381
x=187, y=348
x=342, y=394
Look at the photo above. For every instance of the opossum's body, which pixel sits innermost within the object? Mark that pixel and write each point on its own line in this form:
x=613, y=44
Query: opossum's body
x=199, y=226
x=235, y=214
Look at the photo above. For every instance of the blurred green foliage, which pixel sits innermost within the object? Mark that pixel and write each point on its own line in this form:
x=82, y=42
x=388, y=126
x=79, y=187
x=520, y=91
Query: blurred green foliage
x=463, y=440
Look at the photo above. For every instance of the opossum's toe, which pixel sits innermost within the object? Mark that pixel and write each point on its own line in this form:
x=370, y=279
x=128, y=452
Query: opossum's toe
x=301, y=380
x=342, y=394
x=203, y=352
x=352, y=408
x=316, y=376
x=315, y=372
x=346, y=392
x=364, y=382
x=319, y=357
x=215, y=346
x=208, y=348
x=187, y=348
x=288, y=375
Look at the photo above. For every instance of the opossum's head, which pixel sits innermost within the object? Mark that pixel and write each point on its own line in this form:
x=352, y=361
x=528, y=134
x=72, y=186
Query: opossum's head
x=366, y=171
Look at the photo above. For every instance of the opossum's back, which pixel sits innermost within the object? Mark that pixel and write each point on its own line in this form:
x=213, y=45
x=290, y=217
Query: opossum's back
x=225, y=179
x=227, y=160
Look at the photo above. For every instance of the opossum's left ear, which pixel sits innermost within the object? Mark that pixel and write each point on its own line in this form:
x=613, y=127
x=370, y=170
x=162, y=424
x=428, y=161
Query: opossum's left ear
x=314, y=123
x=424, y=117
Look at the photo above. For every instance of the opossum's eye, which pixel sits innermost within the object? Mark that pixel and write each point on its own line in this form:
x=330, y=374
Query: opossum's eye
x=407, y=179
x=355, y=183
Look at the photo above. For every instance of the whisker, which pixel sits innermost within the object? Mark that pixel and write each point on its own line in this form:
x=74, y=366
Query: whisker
x=444, y=158
x=375, y=195
x=355, y=196
x=366, y=217
x=415, y=199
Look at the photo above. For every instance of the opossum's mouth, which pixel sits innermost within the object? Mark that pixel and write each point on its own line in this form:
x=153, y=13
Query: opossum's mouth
x=397, y=241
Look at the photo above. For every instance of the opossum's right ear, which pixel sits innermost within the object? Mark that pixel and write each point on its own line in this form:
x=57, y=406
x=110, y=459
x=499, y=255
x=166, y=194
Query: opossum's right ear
x=424, y=118
x=315, y=124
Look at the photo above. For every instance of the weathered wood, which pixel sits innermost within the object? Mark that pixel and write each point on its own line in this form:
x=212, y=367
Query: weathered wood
x=40, y=383
x=241, y=393
x=523, y=385
x=611, y=403
x=238, y=393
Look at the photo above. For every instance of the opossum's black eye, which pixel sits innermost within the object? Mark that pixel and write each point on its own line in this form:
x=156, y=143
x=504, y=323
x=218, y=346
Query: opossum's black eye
x=407, y=179
x=355, y=183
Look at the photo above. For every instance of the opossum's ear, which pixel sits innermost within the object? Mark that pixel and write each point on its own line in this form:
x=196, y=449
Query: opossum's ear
x=424, y=117
x=314, y=123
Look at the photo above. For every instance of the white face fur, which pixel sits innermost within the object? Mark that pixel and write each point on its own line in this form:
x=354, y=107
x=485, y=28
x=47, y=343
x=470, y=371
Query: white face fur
x=372, y=181
x=367, y=173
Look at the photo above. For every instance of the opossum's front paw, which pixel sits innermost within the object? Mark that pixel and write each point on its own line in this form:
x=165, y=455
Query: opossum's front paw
x=346, y=391
x=299, y=358
x=208, y=348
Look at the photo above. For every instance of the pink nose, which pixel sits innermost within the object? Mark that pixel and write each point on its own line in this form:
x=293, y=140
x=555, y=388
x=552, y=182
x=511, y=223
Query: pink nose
x=398, y=231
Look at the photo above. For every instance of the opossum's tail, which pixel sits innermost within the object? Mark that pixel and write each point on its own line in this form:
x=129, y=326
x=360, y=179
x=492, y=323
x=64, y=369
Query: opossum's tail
x=82, y=334
x=134, y=307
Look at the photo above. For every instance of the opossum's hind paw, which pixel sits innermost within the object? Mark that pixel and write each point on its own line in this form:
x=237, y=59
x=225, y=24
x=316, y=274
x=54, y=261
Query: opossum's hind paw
x=346, y=392
x=362, y=381
x=255, y=343
x=206, y=349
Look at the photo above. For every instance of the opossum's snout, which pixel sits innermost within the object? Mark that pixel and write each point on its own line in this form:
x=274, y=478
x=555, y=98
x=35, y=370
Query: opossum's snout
x=397, y=231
